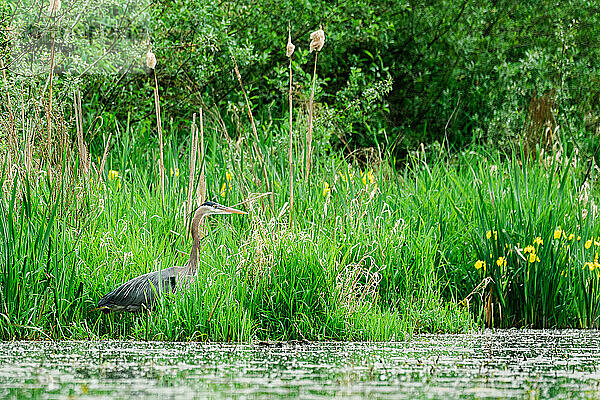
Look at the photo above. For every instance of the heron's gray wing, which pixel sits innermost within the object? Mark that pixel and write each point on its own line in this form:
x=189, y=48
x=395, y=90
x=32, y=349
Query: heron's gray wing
x=139, y=292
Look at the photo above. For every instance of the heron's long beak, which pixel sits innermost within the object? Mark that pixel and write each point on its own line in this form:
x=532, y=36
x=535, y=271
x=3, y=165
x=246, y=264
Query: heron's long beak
x=230, y=210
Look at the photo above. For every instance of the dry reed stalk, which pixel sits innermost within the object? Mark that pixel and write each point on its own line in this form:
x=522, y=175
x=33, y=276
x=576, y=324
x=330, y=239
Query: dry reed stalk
x=310, y=122
x=239, y=77
x=289, y=51
x=53, y=9
x=151, y=63
x=201, y=189
x=104, y=156
x=193, y=148
x=11, y=118
x=27, y=137
x=161, y=164
x=84, y=157
x=316, y=43
x=255, y=144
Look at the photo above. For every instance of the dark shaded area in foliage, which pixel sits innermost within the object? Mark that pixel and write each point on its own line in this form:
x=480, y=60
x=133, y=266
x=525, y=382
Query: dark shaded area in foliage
x=462, y=71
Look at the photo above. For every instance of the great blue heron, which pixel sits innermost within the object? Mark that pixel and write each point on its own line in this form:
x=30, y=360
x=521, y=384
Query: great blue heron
x=141, y=292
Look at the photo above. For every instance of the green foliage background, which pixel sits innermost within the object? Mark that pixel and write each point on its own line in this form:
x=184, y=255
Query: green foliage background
x=462, y=71
x=392, y=74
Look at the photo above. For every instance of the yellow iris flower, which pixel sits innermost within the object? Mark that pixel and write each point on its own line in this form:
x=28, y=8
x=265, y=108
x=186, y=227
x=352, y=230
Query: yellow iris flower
x=558, y=233
x=326, y=190
x=480, y=264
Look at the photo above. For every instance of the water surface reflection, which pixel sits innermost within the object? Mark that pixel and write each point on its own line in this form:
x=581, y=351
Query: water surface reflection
x=517, y=364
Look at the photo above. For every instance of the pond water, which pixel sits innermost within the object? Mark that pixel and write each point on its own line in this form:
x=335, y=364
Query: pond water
x=492, y=364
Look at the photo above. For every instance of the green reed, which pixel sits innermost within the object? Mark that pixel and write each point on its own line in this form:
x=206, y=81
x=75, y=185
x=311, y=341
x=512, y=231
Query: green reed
x=536, y=243
x=361, y=262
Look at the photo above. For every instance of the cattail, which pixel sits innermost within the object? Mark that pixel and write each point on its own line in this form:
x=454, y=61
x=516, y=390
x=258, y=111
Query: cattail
x=289, y=51
x=290, y=46
x=150, y=59
x=151, y=63
x=317, y=40
x=54, y=7
x=193, y=150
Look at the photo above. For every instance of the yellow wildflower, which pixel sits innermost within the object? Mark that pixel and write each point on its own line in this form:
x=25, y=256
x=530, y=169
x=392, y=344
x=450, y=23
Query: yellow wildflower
x=538, y=241
x=226, y=185
x=533, y=257
x=489, y=234
x=572, y=236
x=529, y=249
x=113, y=175
x=480, y=264
x=367, y=176
x=592, y=266
x=501, y=262
x=578, y=237
x=326, y=190
x=558, y=233
x=175, y=172
x=588, y=244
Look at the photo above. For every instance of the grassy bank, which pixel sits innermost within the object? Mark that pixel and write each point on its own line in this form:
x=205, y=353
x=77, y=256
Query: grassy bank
x=360, y=261
x=372, y=253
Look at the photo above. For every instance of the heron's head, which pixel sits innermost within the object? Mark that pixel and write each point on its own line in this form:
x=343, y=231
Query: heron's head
x=212, y=208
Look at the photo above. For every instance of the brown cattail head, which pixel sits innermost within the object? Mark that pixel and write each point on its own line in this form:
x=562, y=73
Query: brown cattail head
x=317, y=40
x=54, y=7
x=290, y=46
x=150, y=59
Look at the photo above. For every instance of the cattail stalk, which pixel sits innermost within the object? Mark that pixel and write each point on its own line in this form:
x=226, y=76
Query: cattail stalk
x=201, y=189
x=255, y=144
x=53, y=9
x=161, y=163
x=289, y=51
x=193, y=148
x=151, y=63
x=310, y=121
x=316, y=43
x=239, y=77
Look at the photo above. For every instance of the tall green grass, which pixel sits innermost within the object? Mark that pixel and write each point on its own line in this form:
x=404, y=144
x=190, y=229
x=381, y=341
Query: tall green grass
x=363, y=260
x=374, y=253
x=536, y=239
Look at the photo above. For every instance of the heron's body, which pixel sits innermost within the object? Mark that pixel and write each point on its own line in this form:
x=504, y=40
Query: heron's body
x=141, y=293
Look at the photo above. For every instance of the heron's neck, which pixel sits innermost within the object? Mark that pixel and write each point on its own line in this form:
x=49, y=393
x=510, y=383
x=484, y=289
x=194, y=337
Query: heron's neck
x=192, y=264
